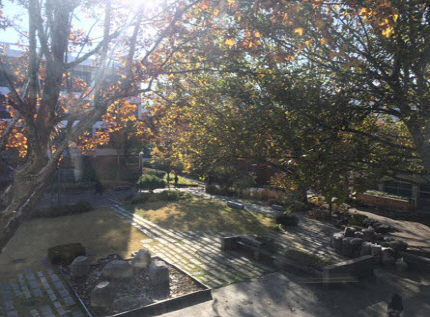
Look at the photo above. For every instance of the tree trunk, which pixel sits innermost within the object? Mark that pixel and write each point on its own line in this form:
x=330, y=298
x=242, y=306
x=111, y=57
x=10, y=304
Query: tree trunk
x=421, y=141
x=22, y=196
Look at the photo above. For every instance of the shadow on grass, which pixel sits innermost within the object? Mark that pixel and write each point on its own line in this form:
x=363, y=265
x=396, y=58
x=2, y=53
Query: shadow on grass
x=196, y=214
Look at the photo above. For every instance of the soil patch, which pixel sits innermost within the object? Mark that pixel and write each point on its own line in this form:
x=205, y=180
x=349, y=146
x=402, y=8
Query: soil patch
x=131, y=294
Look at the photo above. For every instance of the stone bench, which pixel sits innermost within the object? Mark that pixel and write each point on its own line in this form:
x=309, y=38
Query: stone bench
x=278, y=208
x=235, y=205
x=348, y=271
x=242, y=243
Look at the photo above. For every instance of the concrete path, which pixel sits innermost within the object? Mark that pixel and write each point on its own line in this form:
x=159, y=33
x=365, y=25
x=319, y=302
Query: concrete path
x=417, y=235
x=281, y=295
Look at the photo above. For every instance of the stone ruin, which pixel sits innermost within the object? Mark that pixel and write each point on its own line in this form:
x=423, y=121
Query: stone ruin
x=104, y=294
x=385, y=250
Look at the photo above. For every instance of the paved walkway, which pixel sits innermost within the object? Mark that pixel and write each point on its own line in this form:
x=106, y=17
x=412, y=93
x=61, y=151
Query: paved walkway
x=198, y=253
x=284, y=295
x=37, y=294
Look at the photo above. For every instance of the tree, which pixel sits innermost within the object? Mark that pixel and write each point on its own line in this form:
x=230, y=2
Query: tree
x=50, y=108
x=279, y=96
x=375, y=55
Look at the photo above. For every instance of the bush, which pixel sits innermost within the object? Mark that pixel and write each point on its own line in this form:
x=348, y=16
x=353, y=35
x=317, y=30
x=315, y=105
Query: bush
x=66, y=253
x=150, y=182
x=297, y=206
x=82, y=206
x=287, y=220
x=167, y=195
x=319, y=214
x=139, y=199
x=265, y=194
x=215, y=190
x=63, y=210
x=172, y=195
x=154, y=172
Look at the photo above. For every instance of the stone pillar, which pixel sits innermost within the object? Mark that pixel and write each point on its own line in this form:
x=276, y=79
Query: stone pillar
x=78, y=163
x=381, y=187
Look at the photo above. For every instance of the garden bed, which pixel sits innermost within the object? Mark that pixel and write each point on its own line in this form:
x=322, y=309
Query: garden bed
x=135, y=297
x=387, y=202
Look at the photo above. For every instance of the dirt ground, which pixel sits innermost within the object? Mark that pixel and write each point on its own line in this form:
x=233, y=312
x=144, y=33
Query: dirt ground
x=98, y=230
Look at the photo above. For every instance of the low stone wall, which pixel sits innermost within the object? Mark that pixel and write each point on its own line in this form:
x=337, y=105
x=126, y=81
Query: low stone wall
x=385, y=202
x=349, y=271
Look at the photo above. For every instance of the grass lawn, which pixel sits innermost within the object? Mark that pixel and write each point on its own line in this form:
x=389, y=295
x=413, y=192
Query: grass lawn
x=182, y=181
x=99, y=230
x=197, y=214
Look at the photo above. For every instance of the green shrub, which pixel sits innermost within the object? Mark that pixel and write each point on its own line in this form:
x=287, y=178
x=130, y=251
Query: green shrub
x=357, y=219
x=319, y=214
x=66, y=253
x=287, y=219
x=215, y=190
x=139, y=199
x=169, y=195
x=63, y=210
x=150, y=182
x=82, y=206
x=154, y=172
x=297, y=206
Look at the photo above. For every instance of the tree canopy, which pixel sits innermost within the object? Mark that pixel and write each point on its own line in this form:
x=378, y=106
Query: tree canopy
x=333, y=94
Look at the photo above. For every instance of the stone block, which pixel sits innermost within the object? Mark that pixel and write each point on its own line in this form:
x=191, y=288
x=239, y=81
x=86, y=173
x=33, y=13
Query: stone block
x=356, y=247
x=401, y=265
x=347, y=249
x=80, y=266
x=141, y=259
x=349, y=232
x=158, y=273
x=398, y=246
x=388, y=256
x=336, y=241
x=416, y=262
x=118, y=269
x=358, y=234
x=369, y=234
x=366, y=249
x=278, y=208
x=348, y=271
x=379, y=237
x=228, y=243
x=376, y=252
x=235, y=205
x=103, y=295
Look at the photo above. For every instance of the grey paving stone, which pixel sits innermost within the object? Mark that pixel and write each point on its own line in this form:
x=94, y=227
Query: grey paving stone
x=46, y=286
x=68, y=300
x=12, y=313
x=8, y=305
x=60, y=308
x=6, y=291
x=47, y=311
x=15, y=288
x=34, y=313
